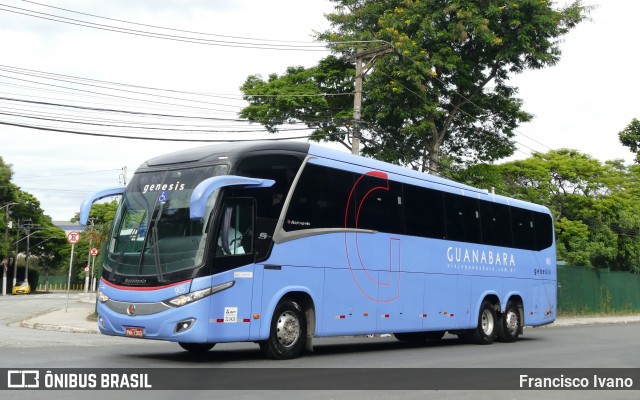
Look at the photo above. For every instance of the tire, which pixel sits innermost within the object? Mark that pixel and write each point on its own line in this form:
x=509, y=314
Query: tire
x=288, y=332
x=510, y=324
x=199, y=348
x=487, y=329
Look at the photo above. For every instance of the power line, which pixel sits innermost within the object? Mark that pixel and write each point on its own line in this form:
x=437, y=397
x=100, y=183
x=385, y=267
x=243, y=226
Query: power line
x=165, y=28
x=106, y=135
x=184, y=39
x=43, y=74
x=65, y=174
x=143, y=127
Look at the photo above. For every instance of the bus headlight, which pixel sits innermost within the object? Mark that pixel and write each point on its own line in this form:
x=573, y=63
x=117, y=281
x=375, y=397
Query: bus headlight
x=103, y=298
x=185, y=299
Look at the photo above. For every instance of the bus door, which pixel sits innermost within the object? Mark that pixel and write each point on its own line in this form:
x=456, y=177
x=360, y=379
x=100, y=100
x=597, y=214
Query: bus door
x=233, y=264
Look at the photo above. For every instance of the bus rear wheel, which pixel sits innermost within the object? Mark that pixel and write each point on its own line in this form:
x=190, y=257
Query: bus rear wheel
x=487, y=329
x=510, y=324
x=197, y=347
x=288, y=333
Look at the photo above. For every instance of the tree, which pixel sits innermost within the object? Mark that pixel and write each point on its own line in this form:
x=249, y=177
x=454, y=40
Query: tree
x=7, y=196
x=102, y=215
x=320, y=97
x=630, y=137
x=46, y=241
x=595, y=205
x=443, y=92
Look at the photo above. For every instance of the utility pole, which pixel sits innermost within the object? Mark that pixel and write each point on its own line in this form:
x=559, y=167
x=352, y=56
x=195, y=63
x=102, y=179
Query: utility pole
x=88, y=278
x=28, y=227
x=366, y=57
x=5, y=261
x=15, y=261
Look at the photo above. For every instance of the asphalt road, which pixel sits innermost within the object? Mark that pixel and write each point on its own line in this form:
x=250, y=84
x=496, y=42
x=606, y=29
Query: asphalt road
x=599, y=346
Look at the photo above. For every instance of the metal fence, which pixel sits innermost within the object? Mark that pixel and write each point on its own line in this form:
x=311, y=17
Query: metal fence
x=593, y=290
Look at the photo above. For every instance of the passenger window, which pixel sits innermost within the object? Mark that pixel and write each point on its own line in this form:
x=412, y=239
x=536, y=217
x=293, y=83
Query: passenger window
x=496, y=224
x=424, y=212
x=320, y=199
x=543, y=227
x=378, y=202
x=522, y=228
x=462, y=218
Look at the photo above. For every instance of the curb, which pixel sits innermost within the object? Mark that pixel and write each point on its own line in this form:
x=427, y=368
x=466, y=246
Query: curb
x=57, y=328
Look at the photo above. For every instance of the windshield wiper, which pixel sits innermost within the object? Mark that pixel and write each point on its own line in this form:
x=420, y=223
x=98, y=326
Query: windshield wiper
x=152, y=230
x=132, y=239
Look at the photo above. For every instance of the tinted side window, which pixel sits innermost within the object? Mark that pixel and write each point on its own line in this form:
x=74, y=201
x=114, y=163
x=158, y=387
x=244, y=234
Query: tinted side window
x=424, y=212
x=378, y=203
x=281, y=168
x=496, y=224
x=462, y=218
x=320, y=199
x=522, y=228
x=543, y=230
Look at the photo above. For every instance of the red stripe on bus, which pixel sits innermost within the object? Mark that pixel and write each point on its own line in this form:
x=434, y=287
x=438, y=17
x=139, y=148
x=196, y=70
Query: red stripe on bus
x=142, y=288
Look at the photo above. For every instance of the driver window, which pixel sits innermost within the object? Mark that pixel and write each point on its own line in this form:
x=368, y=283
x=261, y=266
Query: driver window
x=236, y=230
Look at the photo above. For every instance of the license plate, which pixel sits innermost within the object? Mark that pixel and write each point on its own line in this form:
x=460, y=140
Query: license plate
x=132, y=331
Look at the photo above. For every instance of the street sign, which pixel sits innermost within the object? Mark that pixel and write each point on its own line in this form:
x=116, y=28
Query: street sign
x=73, y=237
x=94, y=251
x=86, y=269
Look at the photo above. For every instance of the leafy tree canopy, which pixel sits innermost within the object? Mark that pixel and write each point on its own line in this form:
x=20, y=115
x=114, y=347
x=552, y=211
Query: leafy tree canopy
x=46, y=239
x=630, y=137
x=443, y=89
x=595, y=205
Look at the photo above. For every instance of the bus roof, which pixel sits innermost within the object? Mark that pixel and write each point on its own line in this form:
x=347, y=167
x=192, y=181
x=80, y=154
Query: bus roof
x=229, y=151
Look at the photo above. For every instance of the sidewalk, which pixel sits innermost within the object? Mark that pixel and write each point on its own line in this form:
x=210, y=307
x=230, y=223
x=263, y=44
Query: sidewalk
x=75, y=319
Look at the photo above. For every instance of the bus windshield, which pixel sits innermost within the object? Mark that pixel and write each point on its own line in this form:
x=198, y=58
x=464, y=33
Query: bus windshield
x=153, y=240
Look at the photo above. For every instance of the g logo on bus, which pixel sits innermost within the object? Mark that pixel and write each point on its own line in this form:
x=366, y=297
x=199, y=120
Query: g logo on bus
x=372, y=284
x=131, y=310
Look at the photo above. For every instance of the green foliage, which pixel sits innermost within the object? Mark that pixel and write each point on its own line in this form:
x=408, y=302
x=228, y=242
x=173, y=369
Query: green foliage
x=630, y=137
x=443, y=90
x=595, y=205
x=320, y=97
x=101, y=213
x=46, y=240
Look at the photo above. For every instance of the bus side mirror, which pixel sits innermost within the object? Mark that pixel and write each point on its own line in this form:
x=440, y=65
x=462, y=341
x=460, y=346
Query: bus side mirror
x=85, y=208
x=201, y=193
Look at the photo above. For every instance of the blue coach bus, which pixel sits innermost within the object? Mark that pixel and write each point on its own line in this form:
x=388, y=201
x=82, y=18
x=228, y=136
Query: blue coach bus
x=282, y=242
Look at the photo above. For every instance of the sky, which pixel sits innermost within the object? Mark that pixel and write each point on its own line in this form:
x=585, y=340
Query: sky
x=581, y=103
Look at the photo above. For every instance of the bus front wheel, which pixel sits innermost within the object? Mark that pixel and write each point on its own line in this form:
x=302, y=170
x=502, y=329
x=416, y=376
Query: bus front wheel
x=288, y=332
x=197, y=347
